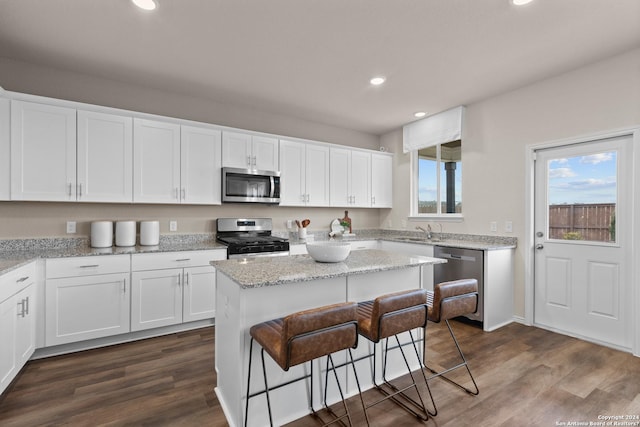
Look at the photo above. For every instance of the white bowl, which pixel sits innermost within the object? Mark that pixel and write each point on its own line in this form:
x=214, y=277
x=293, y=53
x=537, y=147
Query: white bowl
x=329, y=251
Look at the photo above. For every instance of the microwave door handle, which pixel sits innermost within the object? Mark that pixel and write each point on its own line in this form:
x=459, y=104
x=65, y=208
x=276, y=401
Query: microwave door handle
x=273, y=186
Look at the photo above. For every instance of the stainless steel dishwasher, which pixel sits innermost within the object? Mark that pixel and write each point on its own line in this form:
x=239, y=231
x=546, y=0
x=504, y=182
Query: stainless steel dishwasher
x=461, y=264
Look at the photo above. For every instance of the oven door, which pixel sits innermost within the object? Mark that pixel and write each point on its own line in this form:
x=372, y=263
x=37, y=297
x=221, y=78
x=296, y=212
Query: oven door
x=250, y=186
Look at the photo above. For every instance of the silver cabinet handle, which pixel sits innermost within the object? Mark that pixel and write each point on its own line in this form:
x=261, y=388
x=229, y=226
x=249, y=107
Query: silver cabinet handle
x=175, y=193
x=254, y=160
x=90, y=266
x=21, y=313
x=184, y=193
x=80, y=190
x=178, y=279
x=27, y=304
x=303, y=197
x=183, y=259
x=307, y=198
x=124, y=286
x=248, y=160
x=22, y=279
x=373, y=200
x=187, y=279
x=69, y=191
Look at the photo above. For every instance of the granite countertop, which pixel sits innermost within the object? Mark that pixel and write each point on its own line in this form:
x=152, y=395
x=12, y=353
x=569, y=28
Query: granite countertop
x=16, y=253
x=271, y=271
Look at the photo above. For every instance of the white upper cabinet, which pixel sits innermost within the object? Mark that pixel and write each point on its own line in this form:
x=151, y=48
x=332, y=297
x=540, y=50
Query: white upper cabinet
x=5, y=149
x=304, y=173
x=43, y=152
x=156, y=162
x=246, y=151
x=105, y=153
x=381, y=180
x=200, y=158
x=350, y=183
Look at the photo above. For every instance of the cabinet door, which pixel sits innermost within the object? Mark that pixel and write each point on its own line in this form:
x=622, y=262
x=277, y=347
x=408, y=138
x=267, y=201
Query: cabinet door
x=43, y=152
x=156, y=298
x=200, y=158
x=8, y=363
x=105, y=157
x=317, y=175
x=236, y=150
x=264, y=153
x=26, y=324
x=156, y=162
x=292, y=168
x=199, y=295
x=5, y=149
x=82, y=308
x=360, y=179
x=381, y=181
x=340, y=192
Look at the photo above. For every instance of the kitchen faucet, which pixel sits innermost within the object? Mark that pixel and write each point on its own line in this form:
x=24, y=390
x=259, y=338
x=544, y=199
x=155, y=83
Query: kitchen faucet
x=427, y=231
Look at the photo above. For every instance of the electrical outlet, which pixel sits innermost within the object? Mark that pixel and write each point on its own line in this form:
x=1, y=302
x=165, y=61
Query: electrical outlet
x=493, y=226
x=508, y=226
x=173, y=225
x=71, y=227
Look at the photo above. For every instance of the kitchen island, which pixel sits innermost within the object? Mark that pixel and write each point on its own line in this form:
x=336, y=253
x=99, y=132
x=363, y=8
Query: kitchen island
x=251, y=291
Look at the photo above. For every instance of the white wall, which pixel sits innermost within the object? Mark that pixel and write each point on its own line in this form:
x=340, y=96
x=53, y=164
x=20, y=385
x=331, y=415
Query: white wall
x=595, y=98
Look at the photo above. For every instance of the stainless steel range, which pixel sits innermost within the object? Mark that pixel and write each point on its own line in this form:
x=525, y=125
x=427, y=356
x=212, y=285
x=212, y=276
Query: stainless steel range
x=250, y=237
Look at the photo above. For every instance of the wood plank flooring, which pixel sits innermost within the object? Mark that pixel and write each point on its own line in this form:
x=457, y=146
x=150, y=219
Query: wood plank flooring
x=527, y=377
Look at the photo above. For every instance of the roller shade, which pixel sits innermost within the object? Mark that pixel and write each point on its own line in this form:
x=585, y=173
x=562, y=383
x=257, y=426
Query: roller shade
x=437, y=129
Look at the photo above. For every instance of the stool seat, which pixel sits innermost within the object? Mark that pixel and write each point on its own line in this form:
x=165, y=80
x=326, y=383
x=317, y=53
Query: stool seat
x=307, y=335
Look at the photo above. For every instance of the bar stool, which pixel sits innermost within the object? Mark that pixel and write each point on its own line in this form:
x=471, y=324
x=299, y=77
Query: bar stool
x=389, y=315
x=302, y=337
x=449, y=300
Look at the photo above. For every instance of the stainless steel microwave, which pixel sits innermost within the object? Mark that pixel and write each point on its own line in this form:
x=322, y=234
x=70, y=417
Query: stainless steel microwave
x=250, y=186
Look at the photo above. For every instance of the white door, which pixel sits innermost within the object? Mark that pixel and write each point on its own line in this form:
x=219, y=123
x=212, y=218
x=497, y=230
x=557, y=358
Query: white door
x=360, y=179
x=236, y=150
x=292, y=164
x=156, y=298
x=43, y=152
x=317, y=175
x=582, y=240
x=200, y=160
x=105, y=157
x=381, y=181
x=82, y=308
x=264, y=153
x=199, y=296
x=156, y=160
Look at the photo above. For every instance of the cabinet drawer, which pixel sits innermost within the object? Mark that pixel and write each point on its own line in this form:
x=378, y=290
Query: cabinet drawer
x=16, y=280
x=88, y=266
x=158, y=261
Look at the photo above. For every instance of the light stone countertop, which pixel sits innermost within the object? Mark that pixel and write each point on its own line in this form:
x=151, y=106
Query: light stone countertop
x=272, y=271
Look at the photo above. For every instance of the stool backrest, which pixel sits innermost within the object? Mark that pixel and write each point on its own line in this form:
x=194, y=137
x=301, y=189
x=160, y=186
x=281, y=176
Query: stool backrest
x=453, y=299
x=313, y=333
x=399, y=312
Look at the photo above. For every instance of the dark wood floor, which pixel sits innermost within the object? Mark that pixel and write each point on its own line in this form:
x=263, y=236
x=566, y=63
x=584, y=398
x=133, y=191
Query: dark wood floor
x=527, y=377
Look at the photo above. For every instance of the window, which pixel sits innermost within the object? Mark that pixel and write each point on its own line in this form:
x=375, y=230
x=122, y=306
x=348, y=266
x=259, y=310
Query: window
x=438, y=180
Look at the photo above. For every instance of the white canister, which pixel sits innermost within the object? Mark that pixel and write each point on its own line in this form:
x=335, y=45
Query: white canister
x=125, y=233
x=149, y=233
x=101, y=234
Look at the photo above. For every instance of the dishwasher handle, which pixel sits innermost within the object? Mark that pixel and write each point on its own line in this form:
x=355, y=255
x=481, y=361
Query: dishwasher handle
x=457, y=257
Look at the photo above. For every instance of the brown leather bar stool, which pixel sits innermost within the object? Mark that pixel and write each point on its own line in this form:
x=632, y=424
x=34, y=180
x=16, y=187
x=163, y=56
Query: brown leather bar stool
x=449, y=300
x=386, y=316
x=302, y=337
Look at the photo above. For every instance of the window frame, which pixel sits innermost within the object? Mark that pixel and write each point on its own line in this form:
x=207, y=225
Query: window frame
x=414, y=215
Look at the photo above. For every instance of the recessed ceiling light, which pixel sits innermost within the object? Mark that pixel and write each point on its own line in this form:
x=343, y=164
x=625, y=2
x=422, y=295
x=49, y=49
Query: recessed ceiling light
x=521, y=2
x=145, y=4
x=419, y=114
x=376, y=81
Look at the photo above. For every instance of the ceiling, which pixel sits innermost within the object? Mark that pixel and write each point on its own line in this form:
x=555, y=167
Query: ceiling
x=313, y=59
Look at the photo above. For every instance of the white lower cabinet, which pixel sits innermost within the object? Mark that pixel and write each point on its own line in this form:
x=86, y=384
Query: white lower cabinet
x=172, y=288
x=17, y=321
x=86, y=298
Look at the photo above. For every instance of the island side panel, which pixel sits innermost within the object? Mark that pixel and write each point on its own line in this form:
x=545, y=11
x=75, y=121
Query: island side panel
x=364, y=287
x=498, y=288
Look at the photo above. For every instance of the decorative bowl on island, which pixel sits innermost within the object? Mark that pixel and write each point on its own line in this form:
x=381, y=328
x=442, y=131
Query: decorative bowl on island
x=329, y=251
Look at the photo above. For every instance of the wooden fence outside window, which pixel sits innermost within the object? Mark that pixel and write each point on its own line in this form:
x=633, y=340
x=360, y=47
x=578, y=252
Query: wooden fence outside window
x=593, y=222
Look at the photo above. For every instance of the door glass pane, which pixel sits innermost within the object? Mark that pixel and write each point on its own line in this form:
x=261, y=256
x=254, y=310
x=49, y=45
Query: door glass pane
x=582, y=197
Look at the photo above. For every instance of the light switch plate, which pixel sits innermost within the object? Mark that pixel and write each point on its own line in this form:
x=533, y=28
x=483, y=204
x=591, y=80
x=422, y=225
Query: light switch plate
x=508, y=226
x=71, y=227
x=493, y=226
x=173, y=225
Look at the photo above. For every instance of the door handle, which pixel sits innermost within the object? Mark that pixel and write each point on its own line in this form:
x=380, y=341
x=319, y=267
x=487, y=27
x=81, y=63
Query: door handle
x=539, y=246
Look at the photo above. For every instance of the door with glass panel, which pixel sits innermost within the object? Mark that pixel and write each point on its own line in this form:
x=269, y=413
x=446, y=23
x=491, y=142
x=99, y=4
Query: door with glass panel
x=582, y=241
